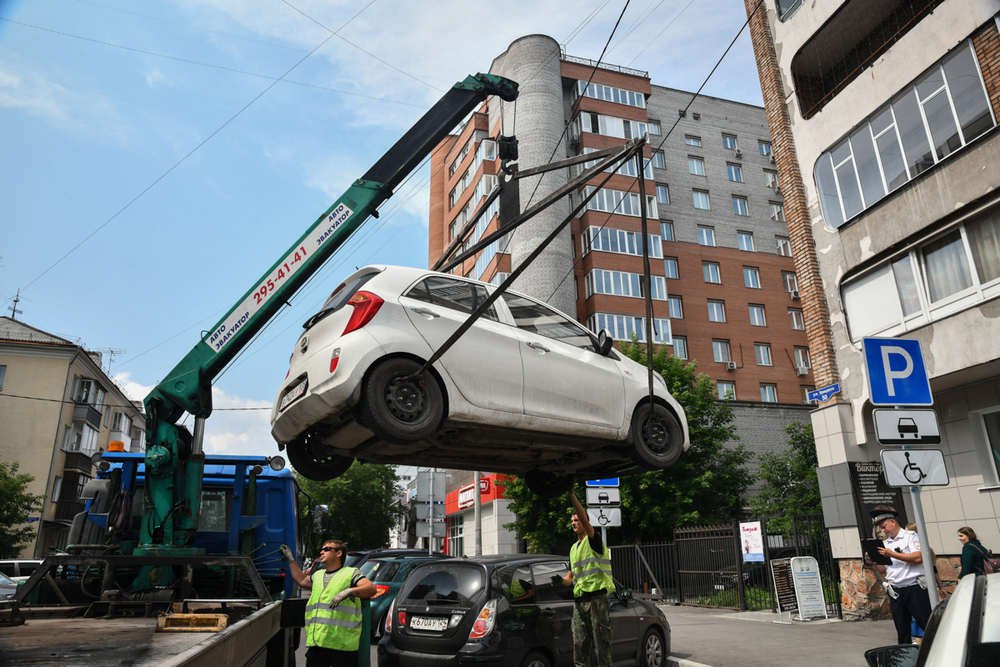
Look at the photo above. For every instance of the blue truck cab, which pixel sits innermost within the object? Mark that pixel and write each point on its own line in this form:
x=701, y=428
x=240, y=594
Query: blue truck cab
x=247, y=508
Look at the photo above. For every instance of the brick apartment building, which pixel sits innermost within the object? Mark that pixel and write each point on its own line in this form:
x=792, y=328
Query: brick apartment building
x=884, y=120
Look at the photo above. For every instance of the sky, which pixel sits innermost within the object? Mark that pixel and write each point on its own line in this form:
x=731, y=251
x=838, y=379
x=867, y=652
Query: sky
x=157, y=158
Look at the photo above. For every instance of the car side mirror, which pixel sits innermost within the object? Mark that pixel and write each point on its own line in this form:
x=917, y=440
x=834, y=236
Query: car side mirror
x=624, y=594
x=896, y=655
x=604, y=343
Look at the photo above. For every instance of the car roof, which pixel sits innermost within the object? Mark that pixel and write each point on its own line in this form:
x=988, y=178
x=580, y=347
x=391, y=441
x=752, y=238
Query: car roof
x=497, y=560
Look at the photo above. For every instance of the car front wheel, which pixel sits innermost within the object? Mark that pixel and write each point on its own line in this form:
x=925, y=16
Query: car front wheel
x=653, y=652
x=399, y=404
x=314, y=460
x=536, y=659
x=656, y=436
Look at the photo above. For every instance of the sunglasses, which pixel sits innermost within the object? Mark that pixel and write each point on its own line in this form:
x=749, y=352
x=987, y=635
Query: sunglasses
x=324, y=549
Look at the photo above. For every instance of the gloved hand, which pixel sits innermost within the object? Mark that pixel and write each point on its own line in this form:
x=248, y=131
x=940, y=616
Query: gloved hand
x=285, y=552
x=556, y=580
x=340, y=597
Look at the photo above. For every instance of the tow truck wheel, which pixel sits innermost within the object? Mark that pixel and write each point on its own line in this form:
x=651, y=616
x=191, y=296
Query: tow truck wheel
x=316, y=461
x=656, y=436
x=398, y=404
x=547, y=484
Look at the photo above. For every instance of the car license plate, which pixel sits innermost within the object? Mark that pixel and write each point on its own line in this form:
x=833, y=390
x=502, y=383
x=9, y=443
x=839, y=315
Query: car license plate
x=437, y=624
x=292, y=394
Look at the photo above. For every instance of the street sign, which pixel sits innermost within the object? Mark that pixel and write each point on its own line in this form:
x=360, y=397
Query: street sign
x=605, y=481
x=896, y=372
x=906, y=427
x=914, y=467
x=603, y=496
x=605, y=517
x=823, y=395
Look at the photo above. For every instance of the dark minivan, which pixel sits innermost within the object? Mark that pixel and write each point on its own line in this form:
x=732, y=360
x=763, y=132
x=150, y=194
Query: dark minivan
x=507, y=610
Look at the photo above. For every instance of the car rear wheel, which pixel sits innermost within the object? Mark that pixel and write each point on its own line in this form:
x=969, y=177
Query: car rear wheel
x=653, y=653
x=314, y=460
x=398, y=404
x=656, y=435
x=536, y=659
x=547, y=484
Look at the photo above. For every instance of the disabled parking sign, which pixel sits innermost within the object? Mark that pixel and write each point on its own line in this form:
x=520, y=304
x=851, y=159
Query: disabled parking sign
x=896, y=372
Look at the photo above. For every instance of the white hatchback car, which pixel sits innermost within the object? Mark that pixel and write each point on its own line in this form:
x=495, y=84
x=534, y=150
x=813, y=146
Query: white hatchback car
x=526, y=390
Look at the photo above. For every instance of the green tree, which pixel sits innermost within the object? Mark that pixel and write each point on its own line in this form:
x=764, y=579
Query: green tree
x=707, y=485
x=16, y=505
x=789, y=483
x=362, y=506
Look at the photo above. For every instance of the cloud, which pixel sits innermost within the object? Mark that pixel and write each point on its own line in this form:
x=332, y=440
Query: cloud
x=238, y=425
x=154, y=77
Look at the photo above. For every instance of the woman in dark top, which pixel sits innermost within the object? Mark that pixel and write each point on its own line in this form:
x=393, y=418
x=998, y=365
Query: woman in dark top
x=972, y=552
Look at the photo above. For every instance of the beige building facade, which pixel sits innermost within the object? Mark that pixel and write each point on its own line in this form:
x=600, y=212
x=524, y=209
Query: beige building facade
x=57, y=409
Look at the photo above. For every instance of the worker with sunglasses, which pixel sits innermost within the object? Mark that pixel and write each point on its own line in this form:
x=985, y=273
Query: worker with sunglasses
x=333, y=612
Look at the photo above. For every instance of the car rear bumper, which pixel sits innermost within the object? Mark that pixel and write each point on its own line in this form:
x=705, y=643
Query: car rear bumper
x=391, y=656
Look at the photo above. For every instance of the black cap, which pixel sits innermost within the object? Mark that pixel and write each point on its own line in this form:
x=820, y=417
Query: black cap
x=880, y=514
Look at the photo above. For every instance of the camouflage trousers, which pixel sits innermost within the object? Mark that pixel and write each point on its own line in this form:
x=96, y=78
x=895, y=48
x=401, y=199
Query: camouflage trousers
x=591, y=633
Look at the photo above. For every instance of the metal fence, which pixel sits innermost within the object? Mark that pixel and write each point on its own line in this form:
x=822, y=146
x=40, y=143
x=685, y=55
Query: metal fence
x=703, y=566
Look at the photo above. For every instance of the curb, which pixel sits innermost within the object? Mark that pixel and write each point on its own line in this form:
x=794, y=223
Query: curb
x=674, y=661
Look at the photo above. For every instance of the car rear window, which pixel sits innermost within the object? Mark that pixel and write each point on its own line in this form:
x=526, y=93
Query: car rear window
x=347, y=289
x=454, y=582
x=379, y=570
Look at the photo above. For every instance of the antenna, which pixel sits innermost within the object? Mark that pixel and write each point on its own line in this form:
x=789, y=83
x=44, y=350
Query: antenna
x=112, y=352
x=14, y=310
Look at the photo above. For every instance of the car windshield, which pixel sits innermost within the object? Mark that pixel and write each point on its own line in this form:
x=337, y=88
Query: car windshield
x=445, y=583
x=379, y=570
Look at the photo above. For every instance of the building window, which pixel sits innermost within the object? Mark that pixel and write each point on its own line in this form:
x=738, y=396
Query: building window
x=762, y=354
x=947, y=104
x=947, y=274
x=619, y=202
x=670, y=268
x=696, y=165
x=727, y=390
x=659, y=159
x=456, y=538
x=56, y=489
x=777, y=210
x=692, y=140
x=90, y=392
x=802, y=360
x=3, y=375
x=653, y=127
x=621, y=283
x=710, y=271
x=706, y=235
x=790, y=281
x=784, y=246
x=619, y=241
x=721, y=351
x=716, y=311
x=729, y=141
x=751, y=277
x=667, y=230
x=599, y=91
x=629, y=327
x=771, y=179
x=734, y=172
x=798, y=322
x=805, y=389
x=700, y=200
x=680, y=347
x=757, y=318
x=768, y=392
x=763, y=147
x=745, y=240
x=662, y=193
x=991, y=426
x=740, y=205
x=675, y=307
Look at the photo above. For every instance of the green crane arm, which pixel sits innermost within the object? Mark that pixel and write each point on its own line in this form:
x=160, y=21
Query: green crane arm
x=188, y=387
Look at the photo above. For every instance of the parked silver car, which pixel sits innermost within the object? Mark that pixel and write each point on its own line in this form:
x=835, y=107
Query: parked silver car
x=525, y=390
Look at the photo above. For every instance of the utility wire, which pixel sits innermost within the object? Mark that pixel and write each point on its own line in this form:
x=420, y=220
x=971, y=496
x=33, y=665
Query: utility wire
x=112, y=405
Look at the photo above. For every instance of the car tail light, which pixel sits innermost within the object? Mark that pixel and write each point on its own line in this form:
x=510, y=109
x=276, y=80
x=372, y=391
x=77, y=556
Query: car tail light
x=485, y=621
x=380, y=589
x=365, y=306
x=388, y=618
x=334, y=360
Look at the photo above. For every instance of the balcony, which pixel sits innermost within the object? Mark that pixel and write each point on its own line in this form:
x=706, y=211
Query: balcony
x=67, y=509
x=85, y=412
x=79, y=462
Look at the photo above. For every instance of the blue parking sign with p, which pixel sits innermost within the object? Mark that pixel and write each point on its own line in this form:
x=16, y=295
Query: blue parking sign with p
x=896, y=372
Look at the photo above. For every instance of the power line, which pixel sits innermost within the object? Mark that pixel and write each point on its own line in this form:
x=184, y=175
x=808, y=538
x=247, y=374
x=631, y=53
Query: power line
x=111, y=405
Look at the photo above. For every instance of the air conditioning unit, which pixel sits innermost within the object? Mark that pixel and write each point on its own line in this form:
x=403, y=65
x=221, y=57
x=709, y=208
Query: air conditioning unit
x=802, y=371
x=794, y=294
x=730, y=365
x=696, y=115
x=739, y=153
x=772, y=158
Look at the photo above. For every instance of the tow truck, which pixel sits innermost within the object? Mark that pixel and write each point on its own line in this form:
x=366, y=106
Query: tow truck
x=103, y=603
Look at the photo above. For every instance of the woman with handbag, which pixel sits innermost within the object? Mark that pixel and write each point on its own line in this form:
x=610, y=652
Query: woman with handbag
x=973, y=552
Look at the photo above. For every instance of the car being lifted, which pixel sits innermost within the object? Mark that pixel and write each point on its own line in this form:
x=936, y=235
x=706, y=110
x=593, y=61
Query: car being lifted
x=525, y=390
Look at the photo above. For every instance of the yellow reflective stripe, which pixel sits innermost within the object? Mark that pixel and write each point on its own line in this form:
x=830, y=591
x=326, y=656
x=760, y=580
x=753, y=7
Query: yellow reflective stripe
x=339, y=622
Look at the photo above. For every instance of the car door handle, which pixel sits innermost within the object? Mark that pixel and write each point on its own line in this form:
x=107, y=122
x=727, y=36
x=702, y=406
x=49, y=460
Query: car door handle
x=537, y=346
x=430, y=314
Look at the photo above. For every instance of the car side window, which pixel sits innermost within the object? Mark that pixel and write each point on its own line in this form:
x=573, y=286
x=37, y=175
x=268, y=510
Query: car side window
x=548, y=581
x=449, y=293
x=534, y=317
x=517, y=584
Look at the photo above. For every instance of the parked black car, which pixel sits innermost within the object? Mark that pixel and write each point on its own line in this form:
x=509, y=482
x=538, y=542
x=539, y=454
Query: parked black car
x=388, y=574
x=507, y=610
x=357, y=558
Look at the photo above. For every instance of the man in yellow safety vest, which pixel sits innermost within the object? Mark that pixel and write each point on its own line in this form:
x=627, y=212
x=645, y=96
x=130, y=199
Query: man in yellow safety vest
x=333, y=612
x=590, y=575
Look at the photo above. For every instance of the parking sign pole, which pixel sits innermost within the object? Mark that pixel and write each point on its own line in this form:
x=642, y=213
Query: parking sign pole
x=925, y=550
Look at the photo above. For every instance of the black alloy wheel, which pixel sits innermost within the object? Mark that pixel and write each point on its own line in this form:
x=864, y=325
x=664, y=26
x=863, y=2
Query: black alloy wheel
x=656, y=436
x=653, y=653
x=401, y=404
x=314, y=460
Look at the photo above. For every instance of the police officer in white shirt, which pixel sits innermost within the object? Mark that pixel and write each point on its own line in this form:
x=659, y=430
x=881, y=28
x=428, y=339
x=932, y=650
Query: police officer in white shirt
x=905, y=581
